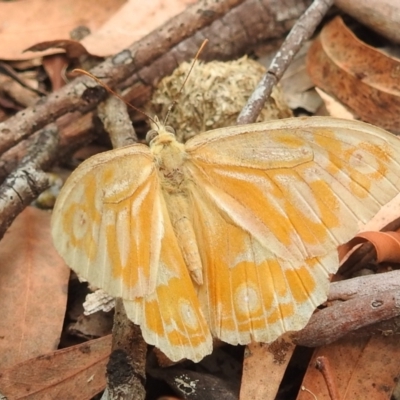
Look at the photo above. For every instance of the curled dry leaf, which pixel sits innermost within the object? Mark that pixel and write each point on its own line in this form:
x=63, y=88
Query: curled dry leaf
x=361, y=77
x=386, y=244
x=357, y=257
x=383, y=16
x=73, y=49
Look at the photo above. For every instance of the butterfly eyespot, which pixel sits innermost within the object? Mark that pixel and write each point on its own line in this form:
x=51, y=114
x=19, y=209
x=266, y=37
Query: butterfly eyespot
x=151, y=134
x=170, y=129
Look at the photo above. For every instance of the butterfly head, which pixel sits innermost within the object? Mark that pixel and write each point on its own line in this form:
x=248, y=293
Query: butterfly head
x=160, y=133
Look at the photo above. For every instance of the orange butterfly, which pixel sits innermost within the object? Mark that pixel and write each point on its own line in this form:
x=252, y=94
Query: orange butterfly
x=231, y=235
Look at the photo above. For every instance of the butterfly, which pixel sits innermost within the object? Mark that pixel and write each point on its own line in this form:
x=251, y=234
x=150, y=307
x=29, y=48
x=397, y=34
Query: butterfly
x=232, y=235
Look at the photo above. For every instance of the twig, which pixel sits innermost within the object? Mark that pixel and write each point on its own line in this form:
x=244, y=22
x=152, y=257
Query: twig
x=323, y=365
x=116, y=121
x=364, y=285
x=332, y=323
x=126, y=374
x=24, y=184
x=126, y=368
x=301, y=31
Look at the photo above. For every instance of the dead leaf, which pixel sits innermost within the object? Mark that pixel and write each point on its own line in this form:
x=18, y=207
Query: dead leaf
x=55, y=67
x=360, y=76
x=73, y=49
x=364, y=368
x=386, y=244
x=25, y=23
x=131, y=22
x=333, y=107
x=74, y=373
x=94, y=325
x=33, y=287
x=263, y=369
x=356, y=257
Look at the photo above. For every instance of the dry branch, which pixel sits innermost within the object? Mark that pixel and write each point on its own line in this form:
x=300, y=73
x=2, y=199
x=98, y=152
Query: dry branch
x=24, y=184
x=126, y=367
x=371, y=301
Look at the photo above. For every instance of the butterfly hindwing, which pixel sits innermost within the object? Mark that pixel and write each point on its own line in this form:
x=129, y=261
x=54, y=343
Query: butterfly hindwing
x=171, y=318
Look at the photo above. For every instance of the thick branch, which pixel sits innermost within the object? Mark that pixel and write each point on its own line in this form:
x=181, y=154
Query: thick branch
x=24, y=184
x=372, y=299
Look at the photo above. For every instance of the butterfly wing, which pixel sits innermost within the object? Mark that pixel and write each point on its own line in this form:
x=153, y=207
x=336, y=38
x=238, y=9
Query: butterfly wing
x=107, y=224
x=271, y=202
x=111, y=225
x=171, y=317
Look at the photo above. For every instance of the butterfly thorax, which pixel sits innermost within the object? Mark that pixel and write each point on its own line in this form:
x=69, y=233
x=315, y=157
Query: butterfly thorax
x=170, y=156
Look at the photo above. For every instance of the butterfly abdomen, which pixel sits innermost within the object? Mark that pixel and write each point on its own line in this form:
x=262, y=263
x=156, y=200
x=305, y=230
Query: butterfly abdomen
x=170, y=157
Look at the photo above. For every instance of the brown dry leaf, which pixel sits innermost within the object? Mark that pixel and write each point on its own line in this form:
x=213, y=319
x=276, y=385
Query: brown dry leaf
x=94, y=325
x=263, y=369
x=388, y=213
x=73, y=48
x=55, y=67
x=114, y=25
x=361, y=77
x=387, y=245
x=382, y=16
x=365, y=368
x=74, y=373
x=33, y=287
x=133, y=21
x=25, y=23
x=333, y=107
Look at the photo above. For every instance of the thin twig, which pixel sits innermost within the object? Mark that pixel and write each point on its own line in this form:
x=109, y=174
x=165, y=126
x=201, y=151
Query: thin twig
x=323, y=365
x=301, y=31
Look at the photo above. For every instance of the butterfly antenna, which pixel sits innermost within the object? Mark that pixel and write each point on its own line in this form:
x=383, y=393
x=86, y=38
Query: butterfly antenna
x=174, y=102
x=82, y=71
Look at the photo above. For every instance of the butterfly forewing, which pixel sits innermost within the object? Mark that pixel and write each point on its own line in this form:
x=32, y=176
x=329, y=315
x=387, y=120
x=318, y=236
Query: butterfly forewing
x=271, y=203
x=107, y=222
